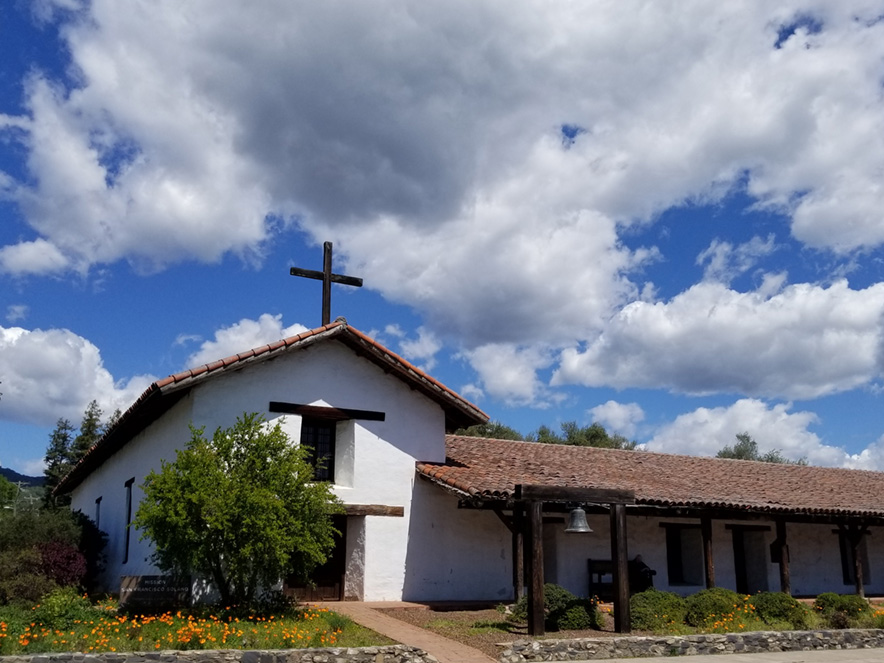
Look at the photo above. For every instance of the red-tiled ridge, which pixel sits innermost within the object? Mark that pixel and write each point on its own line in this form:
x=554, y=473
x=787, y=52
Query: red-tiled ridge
x=489, y=469
x=198, y=371
x=153, y=401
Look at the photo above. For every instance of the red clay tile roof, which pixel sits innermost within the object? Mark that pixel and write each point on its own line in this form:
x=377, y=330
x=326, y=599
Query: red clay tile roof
x=460, y=411
x=486, y=469
x=162, y=394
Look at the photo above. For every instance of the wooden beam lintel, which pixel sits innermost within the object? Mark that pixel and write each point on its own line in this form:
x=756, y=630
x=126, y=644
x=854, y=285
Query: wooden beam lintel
x=374, y=510
x=538, y=493
x=325, y=411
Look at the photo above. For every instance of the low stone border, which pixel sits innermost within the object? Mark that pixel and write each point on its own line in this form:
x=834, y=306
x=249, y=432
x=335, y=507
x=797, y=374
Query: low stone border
x=644, y=646
x=388, y=654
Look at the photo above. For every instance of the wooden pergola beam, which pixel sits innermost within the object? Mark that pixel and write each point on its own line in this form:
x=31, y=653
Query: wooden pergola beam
x=531, y=493
x=533, y=498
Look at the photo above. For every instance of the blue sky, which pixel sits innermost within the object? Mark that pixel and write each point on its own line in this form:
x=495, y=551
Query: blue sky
x=665, y=221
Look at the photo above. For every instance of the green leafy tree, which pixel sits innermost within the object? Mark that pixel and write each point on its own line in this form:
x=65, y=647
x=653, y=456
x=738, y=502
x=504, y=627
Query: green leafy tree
x=747, y=449
x=240, y=509
x=58, y=462
x=593, y=435
x=491, y=429
x=91, y=431
x=112, y=421
x=8, y=492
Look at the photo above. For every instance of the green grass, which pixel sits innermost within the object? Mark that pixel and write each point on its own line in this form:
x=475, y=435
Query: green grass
x=489, y=626
x=441, y=623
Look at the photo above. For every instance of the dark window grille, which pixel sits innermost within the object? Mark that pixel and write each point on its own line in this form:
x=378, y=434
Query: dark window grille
x=128, y=485
x=318, y=436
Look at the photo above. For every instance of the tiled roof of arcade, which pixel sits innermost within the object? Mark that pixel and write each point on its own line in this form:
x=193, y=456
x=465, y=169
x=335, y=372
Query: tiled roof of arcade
x=485, y=470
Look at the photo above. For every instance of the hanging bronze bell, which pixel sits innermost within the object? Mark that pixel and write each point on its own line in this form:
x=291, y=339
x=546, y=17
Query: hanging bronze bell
x=577, y=523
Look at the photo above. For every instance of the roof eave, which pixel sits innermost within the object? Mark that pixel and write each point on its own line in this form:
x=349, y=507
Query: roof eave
x=163, y=394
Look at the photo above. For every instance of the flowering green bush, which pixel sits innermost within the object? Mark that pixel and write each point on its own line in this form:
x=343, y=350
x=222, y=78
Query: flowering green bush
x=562, y=610
x=579, y=616
x=62, y=608
x=653, y=610
x=63, y=625
x=777, y=609
x=707, y=605
x=841, y=610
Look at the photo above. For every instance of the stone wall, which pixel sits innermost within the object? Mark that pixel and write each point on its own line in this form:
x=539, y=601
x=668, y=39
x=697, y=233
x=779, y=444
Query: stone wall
x=389, y=654
x=628, y=646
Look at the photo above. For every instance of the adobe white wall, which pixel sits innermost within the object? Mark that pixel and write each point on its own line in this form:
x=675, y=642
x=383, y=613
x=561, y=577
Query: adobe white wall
x=376, y=458
x=455, y=554
x=136, y=459
x=815, y=548
x=814, y=553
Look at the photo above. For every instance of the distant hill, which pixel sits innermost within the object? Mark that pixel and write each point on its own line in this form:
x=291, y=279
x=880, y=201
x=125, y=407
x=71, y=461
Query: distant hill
x=15, y=477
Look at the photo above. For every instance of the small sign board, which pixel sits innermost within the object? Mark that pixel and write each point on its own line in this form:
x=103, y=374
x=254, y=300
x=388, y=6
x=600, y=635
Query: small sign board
x=154, y=592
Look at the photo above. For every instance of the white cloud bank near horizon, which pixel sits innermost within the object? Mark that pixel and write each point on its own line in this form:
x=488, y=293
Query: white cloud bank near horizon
x=53, y=374
x=438, y=127
x=73, y=366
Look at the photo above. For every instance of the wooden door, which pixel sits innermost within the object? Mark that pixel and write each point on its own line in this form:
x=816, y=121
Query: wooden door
x=327, y=581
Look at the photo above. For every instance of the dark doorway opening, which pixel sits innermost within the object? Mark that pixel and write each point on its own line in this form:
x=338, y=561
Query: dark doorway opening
x=750, y=558
x=327, y=581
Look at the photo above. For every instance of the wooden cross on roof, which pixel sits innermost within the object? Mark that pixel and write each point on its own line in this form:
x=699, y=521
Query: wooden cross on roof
x=327, y=279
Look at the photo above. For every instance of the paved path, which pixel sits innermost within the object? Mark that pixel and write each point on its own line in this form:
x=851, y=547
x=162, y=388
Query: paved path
x=444, y=649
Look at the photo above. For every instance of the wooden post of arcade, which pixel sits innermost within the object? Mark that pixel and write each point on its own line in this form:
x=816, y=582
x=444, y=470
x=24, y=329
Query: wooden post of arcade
x=533, y=497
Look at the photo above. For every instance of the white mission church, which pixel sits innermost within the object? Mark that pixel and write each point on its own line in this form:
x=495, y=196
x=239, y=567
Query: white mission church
x=431, y=516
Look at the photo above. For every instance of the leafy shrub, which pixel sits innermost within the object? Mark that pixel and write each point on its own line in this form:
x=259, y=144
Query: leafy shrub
x=13, y=622
x=841, y=610
x=853, y=604
x=561, y=607
x=827, y=602
x=62, y=608
x=839, y=619
x=62, y=563
x=42, y=550
x=576, y=618
x=653, y=610
x=776, y=608
x=555, y=598
x=21, y=582
x=709, y=603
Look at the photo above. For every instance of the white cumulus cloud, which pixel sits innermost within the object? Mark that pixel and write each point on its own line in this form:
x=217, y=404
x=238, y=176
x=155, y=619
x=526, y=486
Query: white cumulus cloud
x=705, y=431
x=619, y=418
x=53, y=374
x=241, y=336
x=803, y=342
x=194, y=128
x=483, y=163
x=509, y=373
